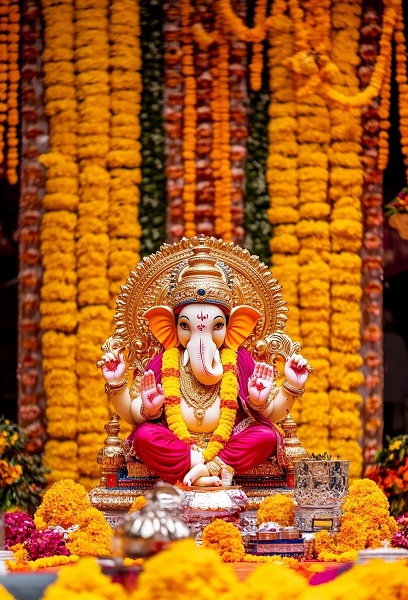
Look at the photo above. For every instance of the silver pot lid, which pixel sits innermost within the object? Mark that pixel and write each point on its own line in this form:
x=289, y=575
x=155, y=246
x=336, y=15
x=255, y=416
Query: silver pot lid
x=386, y=552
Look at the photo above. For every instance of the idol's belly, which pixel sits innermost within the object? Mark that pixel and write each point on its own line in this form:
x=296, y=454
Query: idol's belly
x=209, y=417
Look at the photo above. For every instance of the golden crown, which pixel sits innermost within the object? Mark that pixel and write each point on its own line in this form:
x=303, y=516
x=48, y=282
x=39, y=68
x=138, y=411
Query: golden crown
x=202, y=279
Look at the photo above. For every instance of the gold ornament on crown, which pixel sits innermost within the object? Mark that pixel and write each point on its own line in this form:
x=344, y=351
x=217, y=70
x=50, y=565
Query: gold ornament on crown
x=178, y=274
x=201, y=278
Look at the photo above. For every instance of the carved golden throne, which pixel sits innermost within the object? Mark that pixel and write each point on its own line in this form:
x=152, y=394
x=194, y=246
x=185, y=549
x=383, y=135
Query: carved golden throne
x=123, y=475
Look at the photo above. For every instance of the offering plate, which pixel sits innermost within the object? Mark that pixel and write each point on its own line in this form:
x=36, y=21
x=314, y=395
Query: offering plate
x=201, y=505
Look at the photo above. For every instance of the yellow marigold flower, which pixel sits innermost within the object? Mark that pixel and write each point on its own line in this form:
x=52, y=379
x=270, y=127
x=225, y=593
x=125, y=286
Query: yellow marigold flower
x=86, y=580
x=138, y=503
x=186, y=571
x=278, y=508
x=225, y=539
x=267, y=583
x=62, y=504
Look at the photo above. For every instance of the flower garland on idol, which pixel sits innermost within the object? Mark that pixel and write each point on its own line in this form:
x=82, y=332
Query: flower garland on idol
x=228, y=401
x=59, y=314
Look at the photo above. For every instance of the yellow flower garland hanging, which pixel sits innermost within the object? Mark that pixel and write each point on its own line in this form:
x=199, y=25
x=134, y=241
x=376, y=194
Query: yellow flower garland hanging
x=228, y=397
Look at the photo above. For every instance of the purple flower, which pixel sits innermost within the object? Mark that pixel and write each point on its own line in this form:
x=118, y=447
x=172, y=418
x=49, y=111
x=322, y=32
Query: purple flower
x=20, y=529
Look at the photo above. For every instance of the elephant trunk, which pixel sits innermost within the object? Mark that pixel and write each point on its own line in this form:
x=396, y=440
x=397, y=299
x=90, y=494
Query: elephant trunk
x=205, y=361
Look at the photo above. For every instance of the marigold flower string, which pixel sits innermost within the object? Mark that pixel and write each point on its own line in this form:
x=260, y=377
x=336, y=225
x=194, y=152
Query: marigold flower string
x=228, y=401
x=189, y=120
x=13, y=87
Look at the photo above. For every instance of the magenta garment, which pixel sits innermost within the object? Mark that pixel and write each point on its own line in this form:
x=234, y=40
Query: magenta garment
x=163, y=453
x=167, y=456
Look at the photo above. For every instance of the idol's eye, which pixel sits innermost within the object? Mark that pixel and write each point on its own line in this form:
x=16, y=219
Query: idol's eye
x=184, y=326
x=219, y=325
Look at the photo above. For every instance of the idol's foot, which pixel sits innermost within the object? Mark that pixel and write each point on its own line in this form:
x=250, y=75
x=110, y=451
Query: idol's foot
x=195, y=473
x=212, y=481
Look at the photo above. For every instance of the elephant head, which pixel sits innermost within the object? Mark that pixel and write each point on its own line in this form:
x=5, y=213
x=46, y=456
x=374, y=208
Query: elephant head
x=202, y=328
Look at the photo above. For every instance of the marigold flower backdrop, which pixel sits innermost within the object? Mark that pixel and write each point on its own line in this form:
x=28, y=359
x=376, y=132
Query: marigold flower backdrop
x=262, y=123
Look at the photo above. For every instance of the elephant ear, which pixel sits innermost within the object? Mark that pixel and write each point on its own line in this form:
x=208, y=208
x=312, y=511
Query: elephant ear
x=163, y=326
x=241, y=323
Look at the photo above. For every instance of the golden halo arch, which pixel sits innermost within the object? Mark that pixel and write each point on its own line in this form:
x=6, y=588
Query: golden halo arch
x=148, y=285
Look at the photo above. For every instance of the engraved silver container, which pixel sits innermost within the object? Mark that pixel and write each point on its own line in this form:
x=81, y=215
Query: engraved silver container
x=320, y=488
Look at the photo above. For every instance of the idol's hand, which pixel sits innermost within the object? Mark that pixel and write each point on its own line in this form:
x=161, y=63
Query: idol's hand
x=296, y=371
x=152, y=394
x=114, y=367
x=260, y=384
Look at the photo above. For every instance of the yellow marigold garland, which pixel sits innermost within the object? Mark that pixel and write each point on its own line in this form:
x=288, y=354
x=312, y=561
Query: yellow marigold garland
x=228, y=398
x=346, y=180
x=94, y=103
x=281, y=174
x=59, y=314
x=312, y=230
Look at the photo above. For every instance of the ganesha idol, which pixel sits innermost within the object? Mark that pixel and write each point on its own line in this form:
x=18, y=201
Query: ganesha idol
x=200, y=325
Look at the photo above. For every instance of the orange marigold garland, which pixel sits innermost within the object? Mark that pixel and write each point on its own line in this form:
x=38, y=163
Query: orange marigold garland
x=189, y=120
x=402, y=81
x=228, y=401
x=3, y=74
x=13, y=90
x=220, y=154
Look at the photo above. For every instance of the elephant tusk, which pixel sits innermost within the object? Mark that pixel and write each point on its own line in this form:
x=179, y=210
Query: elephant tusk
x=186, y=358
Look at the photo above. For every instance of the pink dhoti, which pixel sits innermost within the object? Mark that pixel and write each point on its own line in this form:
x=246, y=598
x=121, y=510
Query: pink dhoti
x=163, y=453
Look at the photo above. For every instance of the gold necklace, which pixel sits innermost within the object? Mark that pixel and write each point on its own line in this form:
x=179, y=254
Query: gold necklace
x=196, y=395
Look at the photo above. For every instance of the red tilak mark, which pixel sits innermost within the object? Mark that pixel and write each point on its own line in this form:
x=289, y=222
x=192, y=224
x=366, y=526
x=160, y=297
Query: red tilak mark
x=202, y=317
x=112, y=365
x=151, y=397
x=201, y=327
x=260, y=386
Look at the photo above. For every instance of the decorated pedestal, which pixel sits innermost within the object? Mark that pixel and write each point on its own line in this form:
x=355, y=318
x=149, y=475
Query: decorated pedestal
x=202, y=506
x=320, y=487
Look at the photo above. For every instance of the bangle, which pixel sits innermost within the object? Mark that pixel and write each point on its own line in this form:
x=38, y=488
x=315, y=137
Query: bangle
x=266, y=404
x=115, y=388
x=293, y=391
x=145, y=415
x=216, y=465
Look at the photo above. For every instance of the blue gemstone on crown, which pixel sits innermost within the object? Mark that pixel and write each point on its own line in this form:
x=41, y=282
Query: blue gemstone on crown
x=201, y=292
